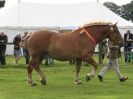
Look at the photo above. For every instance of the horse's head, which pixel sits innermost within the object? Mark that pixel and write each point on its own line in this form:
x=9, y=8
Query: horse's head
x=115, y=36
x=99, y=31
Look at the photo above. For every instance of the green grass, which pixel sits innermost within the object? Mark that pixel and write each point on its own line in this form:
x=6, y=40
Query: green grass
x=60, y=85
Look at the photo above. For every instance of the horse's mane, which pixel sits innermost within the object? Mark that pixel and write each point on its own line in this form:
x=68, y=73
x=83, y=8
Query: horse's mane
x=97, y=23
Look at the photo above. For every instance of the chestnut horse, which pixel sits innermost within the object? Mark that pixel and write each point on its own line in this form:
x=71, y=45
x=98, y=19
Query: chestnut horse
x=79, y=45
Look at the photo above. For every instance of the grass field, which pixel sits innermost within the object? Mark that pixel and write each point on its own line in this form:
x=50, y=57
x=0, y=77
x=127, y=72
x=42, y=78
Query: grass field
x=60, y=83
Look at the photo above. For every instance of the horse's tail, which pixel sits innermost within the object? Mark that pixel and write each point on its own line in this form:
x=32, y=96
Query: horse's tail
x=23, y=42
x=27, y=36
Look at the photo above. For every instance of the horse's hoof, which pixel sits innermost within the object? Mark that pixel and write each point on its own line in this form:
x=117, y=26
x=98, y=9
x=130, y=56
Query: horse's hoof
x=43, y=82
x=88, y=78
x=33, y=84
x=78, y=82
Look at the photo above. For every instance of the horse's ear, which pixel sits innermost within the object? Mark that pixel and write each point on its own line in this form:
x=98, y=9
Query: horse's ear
x=115, y=24
x=81, y=32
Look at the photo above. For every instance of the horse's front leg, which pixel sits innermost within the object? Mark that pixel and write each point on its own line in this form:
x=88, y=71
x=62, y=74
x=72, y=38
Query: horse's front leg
x=90, y=75
x=78, y=66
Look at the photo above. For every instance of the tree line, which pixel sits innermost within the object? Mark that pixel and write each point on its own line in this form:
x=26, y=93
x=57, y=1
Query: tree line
x=125, y=11
x=2, y=3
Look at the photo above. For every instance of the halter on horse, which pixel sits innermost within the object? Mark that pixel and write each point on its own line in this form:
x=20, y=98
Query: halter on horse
x=79, y=45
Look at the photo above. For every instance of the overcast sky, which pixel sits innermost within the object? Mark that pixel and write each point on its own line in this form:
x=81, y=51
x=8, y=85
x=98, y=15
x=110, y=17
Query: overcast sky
x=118, y=2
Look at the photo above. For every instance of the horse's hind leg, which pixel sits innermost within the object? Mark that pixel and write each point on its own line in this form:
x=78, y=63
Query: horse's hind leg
x=90, y=75
x=78, y=65
x=29, y=70
x=34, y=63
x=37, y=68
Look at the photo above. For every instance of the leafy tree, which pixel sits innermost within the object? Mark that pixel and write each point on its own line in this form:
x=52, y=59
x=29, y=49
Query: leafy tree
x=127, y=11
x=113, y=7
x=2, y=3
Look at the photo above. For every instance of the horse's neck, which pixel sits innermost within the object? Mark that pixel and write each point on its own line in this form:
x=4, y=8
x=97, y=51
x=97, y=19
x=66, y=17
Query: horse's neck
x=99, y=33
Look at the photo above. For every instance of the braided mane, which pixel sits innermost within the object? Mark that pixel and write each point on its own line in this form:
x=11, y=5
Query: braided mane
x=97, y=23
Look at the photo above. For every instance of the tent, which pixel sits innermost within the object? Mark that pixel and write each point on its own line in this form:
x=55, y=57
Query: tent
x=30, y=17
x=60, y=15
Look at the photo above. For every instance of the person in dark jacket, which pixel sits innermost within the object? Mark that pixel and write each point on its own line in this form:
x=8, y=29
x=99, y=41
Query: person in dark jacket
x=3, y=42
x=17, y=48
x=127, y=45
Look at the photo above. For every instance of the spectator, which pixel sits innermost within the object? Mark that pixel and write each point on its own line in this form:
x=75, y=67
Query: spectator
x=17, y=48
x=25, y=48
x=128, y=36
x=113, y=62
x=48, y=60
x=3, y=42
x=72, y=62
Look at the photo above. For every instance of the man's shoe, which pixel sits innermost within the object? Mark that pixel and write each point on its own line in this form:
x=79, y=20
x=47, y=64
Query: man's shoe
x=100, y=77
x=123, y=79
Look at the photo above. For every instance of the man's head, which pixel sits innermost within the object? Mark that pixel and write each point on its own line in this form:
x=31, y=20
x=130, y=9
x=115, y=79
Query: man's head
x=128, y=31
x=1, y=33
